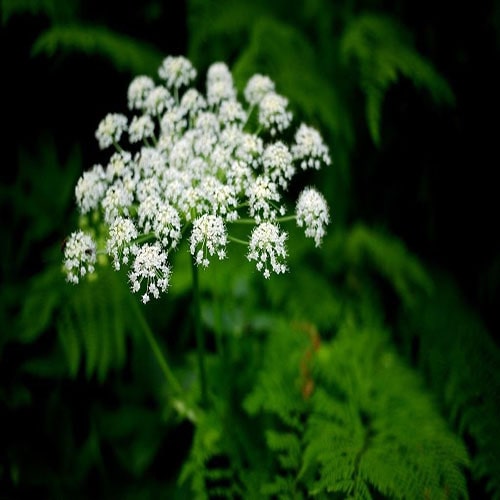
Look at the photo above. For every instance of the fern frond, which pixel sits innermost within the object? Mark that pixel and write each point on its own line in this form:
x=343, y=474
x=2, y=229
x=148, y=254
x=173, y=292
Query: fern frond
x=388, y=257
x=278, y=388
x=56, y=10
x=373, y=428
x=462, y=364
x=89, y=329
x=383, y=50
x=124, y=52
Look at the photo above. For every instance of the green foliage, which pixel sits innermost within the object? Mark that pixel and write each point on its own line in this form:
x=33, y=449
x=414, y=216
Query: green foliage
x=315, y=389
x=462, y=364
x=124, y=52
x=387, y=256
x=56, y=10
x=382, y=51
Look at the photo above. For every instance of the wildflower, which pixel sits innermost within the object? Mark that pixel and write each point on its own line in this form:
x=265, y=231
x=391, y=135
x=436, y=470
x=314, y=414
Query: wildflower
x=79, y=256
x=150, y=265
x=267, y=248
x=110, y=129
x=90, y=189
x=176, y=71
x=208, y=238
x=138, y=91
x=257, y=87
x=142, y=127
x=312, y=212
x=197, y=166
x=309, y=148
x=121, y=233
x=273, y=115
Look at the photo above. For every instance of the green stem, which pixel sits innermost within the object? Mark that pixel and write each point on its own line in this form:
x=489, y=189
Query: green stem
x=160, y=358
x=200, y=338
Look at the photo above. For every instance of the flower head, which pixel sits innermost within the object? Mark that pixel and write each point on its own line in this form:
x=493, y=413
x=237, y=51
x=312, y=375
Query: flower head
x=200, y=164
x=208, y=238
x=150, y=266
x=312, y=213
x=267, y=248
x=110, y=129
x=79, y=256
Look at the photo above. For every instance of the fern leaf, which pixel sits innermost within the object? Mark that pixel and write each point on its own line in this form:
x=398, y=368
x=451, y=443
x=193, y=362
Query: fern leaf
x=124, y=52
x=383, y=50
x=462, y=364
x=389, y=437
x=69, y=339
x=389, y=257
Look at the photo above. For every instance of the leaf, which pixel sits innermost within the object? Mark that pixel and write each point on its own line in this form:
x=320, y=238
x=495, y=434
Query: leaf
x=382, y=50
x=124, y=52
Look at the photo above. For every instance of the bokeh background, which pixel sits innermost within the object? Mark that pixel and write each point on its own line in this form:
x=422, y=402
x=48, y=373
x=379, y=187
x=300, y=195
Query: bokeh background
x=406, y=94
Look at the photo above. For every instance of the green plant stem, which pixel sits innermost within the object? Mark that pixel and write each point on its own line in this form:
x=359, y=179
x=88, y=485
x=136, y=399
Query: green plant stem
x=200, y=338
x=160, y=358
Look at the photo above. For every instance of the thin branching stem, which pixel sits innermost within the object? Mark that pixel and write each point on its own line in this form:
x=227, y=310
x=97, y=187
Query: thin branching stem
x=200, y=338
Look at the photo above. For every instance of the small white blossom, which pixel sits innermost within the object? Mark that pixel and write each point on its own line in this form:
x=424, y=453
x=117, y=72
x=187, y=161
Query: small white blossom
x=119, y=165
x=231, y=111
x=110, y=129
x=262, y=197
x=220, y=85
x=277, y=161
x=167, y=225
x=312, y=213
x=192, y=103
x=117, y=201
x=138, y=91
x=150, y=265
x=208, y=238
x=158, y=101
x=90, y=189
x=273, y=115
x=267, y=249
x=142, y=127
x=257, y=87
x=122, y=233
x=79, y=256
x=309, y=148
x=177, y=71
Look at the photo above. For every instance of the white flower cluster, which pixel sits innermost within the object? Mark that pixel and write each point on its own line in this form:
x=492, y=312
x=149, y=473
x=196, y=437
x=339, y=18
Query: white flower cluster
x=195, y=163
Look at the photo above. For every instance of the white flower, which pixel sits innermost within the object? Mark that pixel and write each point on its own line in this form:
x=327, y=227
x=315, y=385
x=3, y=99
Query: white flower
x=158, y=101
x=90, y=189
x=309, y=148
x=273, y=115
x=220, y=84
x=117, y=201
x=110, y=129
x=138, y=91
x=142, y=127
x=277, y=161
x=194, y=163
x=79, y=256
x=312, y=212
x=167, y=225
x=122, y=233
x=150, y=265
x=208, y=238
x=262, y=195
x=177, y=71
x=192, y=102
x=119, y=165
x=267, y=248
x=257, y=87
x=231, y=111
